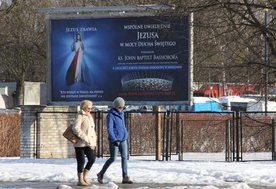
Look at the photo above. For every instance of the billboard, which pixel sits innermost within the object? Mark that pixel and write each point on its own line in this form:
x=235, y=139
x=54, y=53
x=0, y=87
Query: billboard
x=144, y=59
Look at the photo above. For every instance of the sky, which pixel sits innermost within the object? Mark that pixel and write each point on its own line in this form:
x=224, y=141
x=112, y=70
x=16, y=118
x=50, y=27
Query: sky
x=208, y=174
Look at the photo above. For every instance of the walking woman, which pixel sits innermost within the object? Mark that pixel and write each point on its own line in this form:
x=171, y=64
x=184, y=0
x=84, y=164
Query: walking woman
x=84, y=128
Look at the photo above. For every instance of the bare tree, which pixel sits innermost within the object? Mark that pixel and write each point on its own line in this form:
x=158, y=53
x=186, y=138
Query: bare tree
x=23, y=45
x=229, y=38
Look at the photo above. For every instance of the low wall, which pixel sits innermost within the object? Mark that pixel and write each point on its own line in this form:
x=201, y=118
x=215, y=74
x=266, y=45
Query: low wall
x=41, y=131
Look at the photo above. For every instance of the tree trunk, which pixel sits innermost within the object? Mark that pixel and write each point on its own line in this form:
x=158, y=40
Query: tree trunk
x=19, y=96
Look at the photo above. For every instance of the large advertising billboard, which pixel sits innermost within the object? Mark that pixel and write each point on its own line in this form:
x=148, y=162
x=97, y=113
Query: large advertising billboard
x=144, y=59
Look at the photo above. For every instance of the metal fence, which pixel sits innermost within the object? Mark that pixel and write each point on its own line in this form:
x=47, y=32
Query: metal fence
x=199, y=134
x=194, y=136
x=255, y=133
x=233, y=136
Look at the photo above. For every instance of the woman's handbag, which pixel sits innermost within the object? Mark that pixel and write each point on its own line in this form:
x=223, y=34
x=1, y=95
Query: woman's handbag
x=70, y=135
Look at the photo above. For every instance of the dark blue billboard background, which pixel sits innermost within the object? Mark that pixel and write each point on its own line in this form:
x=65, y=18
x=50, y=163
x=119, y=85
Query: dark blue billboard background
x=142, y=59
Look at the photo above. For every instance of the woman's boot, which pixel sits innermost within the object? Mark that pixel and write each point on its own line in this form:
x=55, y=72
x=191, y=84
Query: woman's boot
x=85, y=173
x=81, y=181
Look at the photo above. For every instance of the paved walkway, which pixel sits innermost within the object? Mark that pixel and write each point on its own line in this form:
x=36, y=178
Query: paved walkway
x=56, y=185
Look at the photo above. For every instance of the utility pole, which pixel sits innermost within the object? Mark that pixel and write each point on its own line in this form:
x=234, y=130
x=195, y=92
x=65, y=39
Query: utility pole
x=266, y=59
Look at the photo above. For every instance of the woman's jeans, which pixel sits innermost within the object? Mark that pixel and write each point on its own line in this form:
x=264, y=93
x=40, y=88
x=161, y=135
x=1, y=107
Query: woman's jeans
x=113, y=150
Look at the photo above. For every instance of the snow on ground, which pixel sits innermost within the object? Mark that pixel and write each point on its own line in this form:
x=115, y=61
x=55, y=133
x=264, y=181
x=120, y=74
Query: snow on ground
x=209, y=174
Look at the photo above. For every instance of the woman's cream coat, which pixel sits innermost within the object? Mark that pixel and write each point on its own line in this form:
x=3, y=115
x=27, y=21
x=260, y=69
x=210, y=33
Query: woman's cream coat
x=84, y=128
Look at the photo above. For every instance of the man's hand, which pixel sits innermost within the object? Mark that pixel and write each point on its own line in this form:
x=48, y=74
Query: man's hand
x=116, y=143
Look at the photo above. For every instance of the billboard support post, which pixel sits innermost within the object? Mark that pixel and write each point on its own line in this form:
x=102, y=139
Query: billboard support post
x=158, y=132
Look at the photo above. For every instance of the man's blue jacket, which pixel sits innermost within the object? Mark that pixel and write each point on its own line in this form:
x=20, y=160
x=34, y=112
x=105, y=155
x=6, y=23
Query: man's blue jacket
x=116, y=126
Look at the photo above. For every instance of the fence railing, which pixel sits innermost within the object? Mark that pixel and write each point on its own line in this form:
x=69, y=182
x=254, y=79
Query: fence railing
x=212, y=136
x=233, y=136
x=256, y=133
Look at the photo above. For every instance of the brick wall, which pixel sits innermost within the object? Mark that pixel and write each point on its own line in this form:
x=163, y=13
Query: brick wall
x=41, y=131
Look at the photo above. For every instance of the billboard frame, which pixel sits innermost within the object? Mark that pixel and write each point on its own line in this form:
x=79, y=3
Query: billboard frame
x=49, y=19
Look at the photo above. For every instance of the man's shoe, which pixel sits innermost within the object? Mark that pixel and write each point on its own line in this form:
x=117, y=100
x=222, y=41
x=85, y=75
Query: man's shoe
x=126, y=180
x=100, y=178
